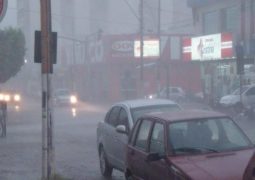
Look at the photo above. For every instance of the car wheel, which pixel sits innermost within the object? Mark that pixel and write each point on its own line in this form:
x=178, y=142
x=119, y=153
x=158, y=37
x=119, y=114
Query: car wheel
x=106, y=169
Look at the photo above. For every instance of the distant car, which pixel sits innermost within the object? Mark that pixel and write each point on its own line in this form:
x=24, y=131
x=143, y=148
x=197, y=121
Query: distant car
x=12, y=98
x=233, y=99
x=187, y=145
x=174, y=93
x=63, y=97
x=121, y=117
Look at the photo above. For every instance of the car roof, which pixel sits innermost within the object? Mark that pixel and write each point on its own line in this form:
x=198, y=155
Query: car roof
x=145, y=102
x=186, y=115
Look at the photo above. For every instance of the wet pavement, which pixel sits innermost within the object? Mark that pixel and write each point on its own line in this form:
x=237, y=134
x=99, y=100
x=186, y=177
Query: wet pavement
x=75, y=143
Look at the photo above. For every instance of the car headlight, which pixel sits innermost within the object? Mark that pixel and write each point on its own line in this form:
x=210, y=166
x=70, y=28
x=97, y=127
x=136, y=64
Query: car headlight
x=73, y=99
x=1, y=97
x=150, y=96
x=17, y=97
x=7, y=97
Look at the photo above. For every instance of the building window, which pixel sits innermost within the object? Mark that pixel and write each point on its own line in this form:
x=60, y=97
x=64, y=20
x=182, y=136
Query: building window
x=211, y=22
x=253, y=13
x=230, y=22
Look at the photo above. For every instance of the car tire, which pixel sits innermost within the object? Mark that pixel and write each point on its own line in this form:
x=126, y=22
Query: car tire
x=105, y=168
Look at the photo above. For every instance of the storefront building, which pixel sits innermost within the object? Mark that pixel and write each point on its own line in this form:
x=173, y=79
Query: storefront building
x=234, y=20
x=115, y=67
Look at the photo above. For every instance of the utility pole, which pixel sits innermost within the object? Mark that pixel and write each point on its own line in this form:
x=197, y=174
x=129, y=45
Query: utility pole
x=159, y=37
x=141, y=47
x=73, y=67
x=47, y=113
x=243, y=30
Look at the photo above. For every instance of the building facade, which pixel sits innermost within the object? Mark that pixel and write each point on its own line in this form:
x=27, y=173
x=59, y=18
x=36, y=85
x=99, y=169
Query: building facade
x=236, y=17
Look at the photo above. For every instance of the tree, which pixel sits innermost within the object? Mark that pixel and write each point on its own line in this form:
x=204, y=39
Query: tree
x=12, y=52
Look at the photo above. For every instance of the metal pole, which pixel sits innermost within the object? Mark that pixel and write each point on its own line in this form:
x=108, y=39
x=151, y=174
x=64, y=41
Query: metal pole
x=243, y=30
x=167, y=80
x=47, y=114
x=141, y=48
x=73, y=67
x=159, y=37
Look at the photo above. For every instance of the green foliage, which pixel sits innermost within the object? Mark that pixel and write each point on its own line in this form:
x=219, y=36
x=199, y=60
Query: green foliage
x=12, y=52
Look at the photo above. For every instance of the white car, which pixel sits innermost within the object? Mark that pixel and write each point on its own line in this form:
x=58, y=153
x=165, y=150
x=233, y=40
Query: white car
x=64, y=97
x=233, y=99
x=121, y=117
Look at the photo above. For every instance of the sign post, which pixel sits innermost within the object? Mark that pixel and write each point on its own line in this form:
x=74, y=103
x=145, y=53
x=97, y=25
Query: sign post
x=3, y=8
x=3, y=104
x=48, y=159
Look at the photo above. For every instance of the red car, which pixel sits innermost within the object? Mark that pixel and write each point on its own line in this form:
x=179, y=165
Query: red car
x=250, y=170
x=185, y=145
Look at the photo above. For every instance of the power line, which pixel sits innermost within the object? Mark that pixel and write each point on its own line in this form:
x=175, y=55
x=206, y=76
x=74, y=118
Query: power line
x=89, y=19
x=132, y=10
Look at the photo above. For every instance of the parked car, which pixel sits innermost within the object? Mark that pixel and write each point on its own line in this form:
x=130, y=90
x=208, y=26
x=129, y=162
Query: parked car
x=174, y=93
x=233, y=99
x=120, y=118
x=187, y=145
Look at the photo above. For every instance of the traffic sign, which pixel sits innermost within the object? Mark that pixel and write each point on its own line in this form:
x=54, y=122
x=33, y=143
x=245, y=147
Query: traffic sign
x=3, y=8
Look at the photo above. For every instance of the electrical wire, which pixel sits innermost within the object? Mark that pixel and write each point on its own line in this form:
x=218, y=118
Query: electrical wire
x=132, y=10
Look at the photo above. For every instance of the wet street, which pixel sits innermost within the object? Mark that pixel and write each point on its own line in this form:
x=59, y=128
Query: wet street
x=75, y=143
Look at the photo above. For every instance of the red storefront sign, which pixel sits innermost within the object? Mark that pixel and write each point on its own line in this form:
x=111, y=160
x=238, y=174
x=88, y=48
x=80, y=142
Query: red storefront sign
x=211, y=47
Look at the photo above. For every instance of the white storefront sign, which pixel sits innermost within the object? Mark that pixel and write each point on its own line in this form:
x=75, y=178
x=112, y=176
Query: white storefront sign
x=150, y=50
x=206, y=47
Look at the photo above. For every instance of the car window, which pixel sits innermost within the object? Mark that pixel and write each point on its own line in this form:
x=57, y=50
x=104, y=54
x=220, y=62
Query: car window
x=174, y=90
x=237, y=91
x=143, y=134
x=134, y=133
x=234, y=138
x=123, y=118
x=113, y=117
x=62, y=92
x=206, y=135
x=106, y=119
x=251, y=92
x=157, y=139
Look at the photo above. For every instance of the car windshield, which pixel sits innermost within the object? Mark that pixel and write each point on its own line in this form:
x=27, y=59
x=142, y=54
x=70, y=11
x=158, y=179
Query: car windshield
x=140, y=111
x=63, y=93
x=237, y=91
x=206, y=135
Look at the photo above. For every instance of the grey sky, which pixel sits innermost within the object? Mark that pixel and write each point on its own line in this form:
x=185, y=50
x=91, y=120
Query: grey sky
x=11, y=15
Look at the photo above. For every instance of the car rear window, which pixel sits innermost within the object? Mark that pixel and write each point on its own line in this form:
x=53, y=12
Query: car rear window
x=138, y=112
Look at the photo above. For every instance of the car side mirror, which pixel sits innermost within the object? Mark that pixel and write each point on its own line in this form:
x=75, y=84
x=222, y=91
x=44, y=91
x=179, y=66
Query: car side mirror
x=121, y=129
x=154, y=157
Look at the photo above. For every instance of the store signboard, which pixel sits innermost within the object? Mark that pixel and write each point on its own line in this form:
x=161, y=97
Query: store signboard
x=206, y=48
x=150, y=49
x=211, y=47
